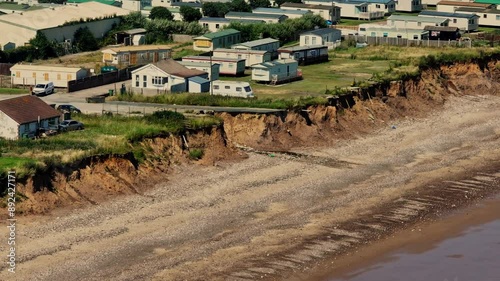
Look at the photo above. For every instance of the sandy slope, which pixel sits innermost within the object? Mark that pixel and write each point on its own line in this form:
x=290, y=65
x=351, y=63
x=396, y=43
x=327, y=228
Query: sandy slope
x=247, y=220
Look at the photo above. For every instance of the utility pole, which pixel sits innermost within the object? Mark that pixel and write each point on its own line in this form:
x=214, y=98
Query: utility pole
x=211, y=74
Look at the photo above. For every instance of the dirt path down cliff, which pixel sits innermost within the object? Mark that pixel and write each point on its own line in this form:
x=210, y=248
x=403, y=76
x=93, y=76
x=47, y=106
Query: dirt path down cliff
x=266, y=216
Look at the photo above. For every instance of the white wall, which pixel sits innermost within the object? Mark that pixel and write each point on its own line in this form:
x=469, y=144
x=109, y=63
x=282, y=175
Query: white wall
x=146, y=75
x=32, y=77
x=8, y=127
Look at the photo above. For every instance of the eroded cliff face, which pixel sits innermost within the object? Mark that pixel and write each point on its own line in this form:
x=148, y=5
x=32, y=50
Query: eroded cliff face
x=373, y=108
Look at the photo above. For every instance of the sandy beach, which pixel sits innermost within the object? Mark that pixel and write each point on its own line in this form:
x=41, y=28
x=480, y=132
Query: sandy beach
x=272, y=216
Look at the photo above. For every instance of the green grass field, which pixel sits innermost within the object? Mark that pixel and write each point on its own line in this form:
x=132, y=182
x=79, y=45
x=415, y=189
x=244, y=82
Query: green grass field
x=13, y=91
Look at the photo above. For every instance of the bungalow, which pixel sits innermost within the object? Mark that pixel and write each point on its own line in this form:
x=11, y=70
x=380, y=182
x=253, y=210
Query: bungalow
x=168, y=76
x=443, y=32
x=329, y=13
x=452, y=6
x=393, y=32
x=359, y=9
x=251, y=57
x=220, y=39
x=322, y=36
x=216, y=24
x=305, y=54
x=291, y=14
x=213, y=72
x=268, y=18
x=409, y=6
x=29, y=74
x=267, y=44
x=487, y=17
x=400, y=21
x=467, y=22
x=228, y=66
x=25, y=115
x=132, y=55
x=275, y=72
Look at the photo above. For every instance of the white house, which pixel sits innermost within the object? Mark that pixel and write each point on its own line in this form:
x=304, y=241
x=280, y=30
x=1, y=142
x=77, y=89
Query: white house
x=251, y=57
x=330, y=13
x=166, y=76
x=29, y=74
x=322, y=36
x=409, y=6
x=25, y=114
x=276, y=71
x=400, y=21
x=466, y=22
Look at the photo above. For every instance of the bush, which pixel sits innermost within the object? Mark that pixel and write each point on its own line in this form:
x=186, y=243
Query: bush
x=196, y=153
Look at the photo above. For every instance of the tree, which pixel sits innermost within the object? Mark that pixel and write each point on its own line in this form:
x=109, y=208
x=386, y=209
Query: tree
x=240, y=6
x=190, y=14
x=260, y=3
x=42, y=47
x=279, y=2
x=215, y=9
x=133, y=20
x=160, y=12
x=3, y=56
x=84, y=40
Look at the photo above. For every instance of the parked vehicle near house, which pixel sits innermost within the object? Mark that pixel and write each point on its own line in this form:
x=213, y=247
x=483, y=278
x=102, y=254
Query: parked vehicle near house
x=43, y=89
x=68, y=108
x=232, y=89
x=70, y=125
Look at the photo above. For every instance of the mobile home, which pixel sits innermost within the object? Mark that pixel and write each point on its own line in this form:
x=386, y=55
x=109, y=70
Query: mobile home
x=291, y=14
x=220, y=39
x=278, y=71
x=466, y=22
x=409, y=6
x=228, y=66
x=305, y=54
x=400, y=21
x=329, y=13
x=251, y=57
x=213, y=72
x=133, y=55
x=27, y=74
x=265, y=44
x=232, y=88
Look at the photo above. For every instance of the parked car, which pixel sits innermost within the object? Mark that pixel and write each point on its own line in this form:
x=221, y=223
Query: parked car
x=43, y=89
x=68, y=108
x=70, y=125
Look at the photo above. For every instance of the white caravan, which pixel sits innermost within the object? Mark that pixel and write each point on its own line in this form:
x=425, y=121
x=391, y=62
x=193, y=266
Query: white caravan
x=232, y=88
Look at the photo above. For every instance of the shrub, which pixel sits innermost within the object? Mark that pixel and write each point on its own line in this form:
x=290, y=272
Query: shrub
x=196, y=153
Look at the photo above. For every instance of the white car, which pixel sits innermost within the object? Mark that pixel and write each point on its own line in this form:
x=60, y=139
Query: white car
x=43, y=89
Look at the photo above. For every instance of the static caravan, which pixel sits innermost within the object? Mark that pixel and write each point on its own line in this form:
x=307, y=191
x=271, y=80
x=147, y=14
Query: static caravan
x=251, y=57
x=232, y=89
x=27, y=74
x=136, y=55
x=329, y=13
x=228, y=66
x=409, y=6
x=275, y=72
x=466, y=22
x=452, y=6
x=220, y=39
x=291, y=14
x=213, y=72
x=413, y=22
x=265, y=44
x=305, y=54
x=487, y=17
x=268, y=18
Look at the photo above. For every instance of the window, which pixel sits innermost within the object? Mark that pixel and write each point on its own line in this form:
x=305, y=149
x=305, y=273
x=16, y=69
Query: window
x=159, y=81
x=18, y=73
x=454, y=20
x=58, y=76
x=137, y=80
x=377, y=6
x=216, y=87
x=364, y=29
x=227, y=87
x=314, y=41
x=247, y=89
x=307, y=40
x=485, y=15
x=399, y=36
x=238, y=89
x=419, y=24
x=144, y=81
x=385, y=34
x=231, y=65
x=69, y=77
x=415, y=37
x=498, y=18
x=33, y=75
x=385, y=6
x=46, y=76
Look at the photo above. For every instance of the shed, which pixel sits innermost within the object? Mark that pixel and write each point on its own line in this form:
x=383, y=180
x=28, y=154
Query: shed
x=30, y=74
x=305, y=55
x=443, y=32
x=197, y=84
x=25, y=115
x=275, y=72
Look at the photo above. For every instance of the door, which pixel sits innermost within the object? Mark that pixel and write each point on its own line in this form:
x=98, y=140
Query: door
x=133, y=58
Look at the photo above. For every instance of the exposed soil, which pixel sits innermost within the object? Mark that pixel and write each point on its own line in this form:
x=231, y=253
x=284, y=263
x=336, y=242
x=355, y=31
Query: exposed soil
x=387, y=162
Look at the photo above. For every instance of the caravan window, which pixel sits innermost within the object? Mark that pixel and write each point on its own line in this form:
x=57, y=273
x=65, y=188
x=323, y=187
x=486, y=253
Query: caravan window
x=238, y=89
x=227, y=87
x=216, y=87
x=247, y=89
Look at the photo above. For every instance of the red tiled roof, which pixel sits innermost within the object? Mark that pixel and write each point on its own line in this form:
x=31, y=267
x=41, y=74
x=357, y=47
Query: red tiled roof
x=172, y=67
x=27, y=109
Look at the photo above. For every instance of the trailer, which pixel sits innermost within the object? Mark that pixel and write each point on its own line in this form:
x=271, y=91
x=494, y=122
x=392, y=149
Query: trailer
x=228, y=66
x=276, y=72
x=232, y=89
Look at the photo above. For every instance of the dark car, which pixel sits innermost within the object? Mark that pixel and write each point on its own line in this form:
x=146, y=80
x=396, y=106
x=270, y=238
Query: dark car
x=70, y=125
x=68, y=108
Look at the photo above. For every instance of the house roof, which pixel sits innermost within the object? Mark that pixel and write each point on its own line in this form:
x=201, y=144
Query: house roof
x=254, y=15
x=27, y=109
x=224, y=20
x=279, y=11
x=271, y=64
x=363, y=1
x=213, y=19
x=301, y=48
x=464, y=4
x=218, y=34
x=198, y=80
x=197, y=63
x=446, y=15
x=136, y=48
x=51, y=68
x=239, y=51
x=476, y=10
x=394, y=29
x=417, y=19
x=441, y=28
x=258, y=42
x=190, y=4
x=321, y=31
x=214, y=59
x=307, y=6
x=170, y=66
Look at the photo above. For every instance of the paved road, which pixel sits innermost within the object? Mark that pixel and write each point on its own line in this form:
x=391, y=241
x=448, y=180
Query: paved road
x=78, y=99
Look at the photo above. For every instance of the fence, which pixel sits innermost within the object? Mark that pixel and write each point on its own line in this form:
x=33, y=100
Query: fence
x=101, y=79
x=372, y=40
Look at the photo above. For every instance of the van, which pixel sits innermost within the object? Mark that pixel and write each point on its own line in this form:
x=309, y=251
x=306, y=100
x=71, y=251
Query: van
x=232, y=89
x=43, y=89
